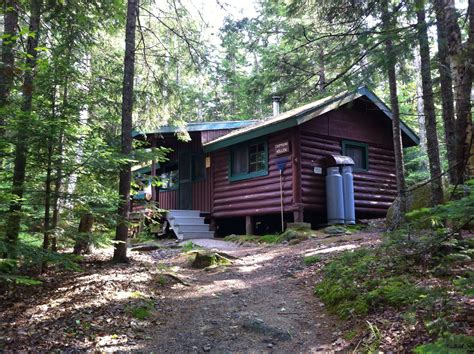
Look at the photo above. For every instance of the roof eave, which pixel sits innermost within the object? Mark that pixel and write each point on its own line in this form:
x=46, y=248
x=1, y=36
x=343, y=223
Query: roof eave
x=253, y=134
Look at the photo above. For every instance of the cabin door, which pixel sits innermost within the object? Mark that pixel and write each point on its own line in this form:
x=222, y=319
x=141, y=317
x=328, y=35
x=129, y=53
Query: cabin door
x=185, y=182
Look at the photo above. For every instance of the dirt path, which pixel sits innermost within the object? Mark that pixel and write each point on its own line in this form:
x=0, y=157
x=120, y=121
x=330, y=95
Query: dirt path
x=262, y=302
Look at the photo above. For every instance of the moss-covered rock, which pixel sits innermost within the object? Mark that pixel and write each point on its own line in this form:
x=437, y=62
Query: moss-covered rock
x=204, y=259
x=335, y=230
x=419, y=197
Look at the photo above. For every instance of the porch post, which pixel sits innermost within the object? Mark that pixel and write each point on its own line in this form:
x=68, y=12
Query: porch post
x=249, y=225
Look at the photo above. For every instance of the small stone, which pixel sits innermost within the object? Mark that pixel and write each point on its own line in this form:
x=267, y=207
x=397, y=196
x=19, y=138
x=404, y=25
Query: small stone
x=206, y=348
x=269, y=345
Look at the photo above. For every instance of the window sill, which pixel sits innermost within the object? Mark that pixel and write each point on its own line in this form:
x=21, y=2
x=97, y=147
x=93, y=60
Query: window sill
x=248, y=175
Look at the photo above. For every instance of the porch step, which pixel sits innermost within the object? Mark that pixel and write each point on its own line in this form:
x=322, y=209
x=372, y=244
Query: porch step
x=197, y=234
x=186, y=220
x=188, y=224
x=190, y=227
x=183, y=213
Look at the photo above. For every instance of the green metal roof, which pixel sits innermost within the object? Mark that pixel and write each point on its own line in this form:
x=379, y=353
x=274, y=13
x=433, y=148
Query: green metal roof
x=200, y=126
x=301, y=115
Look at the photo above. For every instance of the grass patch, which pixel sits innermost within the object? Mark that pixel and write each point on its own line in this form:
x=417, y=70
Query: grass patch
x=356, y=282
x=140, y=311
x=290, y=235
x=265, y=239
x=308, y=260
x=190, y=246
x=449, y=343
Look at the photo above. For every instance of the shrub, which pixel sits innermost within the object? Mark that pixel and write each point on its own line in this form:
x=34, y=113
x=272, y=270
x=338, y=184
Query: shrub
x=355, y=282
x=311, y=259
x=449, y=343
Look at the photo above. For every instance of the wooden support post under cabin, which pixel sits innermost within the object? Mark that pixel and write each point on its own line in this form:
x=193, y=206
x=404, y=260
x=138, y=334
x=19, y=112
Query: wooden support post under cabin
x=213, y=225
x=249, y=225
x=298, y=215
x=153, y=170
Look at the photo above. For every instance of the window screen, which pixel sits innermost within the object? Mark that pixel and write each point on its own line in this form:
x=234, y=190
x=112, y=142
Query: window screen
x=198, y=169
x=358, y=153
x=249, y=161
x=239, y=161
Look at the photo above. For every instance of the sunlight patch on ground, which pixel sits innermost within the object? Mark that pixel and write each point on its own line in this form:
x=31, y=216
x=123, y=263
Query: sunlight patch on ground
x=219, y=286
x=332, y=249
x=104, y=293
x=249, y=268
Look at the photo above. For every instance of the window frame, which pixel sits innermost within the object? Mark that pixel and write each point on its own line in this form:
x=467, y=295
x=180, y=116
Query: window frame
x=204, y=169
x=247, y=175
x=346, y=143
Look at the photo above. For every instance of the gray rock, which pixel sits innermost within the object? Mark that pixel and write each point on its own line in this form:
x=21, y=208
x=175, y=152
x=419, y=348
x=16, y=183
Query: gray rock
x=335, y=230
x=257, y=325
x=206, y=348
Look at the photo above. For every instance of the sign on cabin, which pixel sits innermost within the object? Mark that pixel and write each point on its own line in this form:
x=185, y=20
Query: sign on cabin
x=282, y=148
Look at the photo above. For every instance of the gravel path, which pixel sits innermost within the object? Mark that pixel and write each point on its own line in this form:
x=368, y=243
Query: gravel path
x=263, y=302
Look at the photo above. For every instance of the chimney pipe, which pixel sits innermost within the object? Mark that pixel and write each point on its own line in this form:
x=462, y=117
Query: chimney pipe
x=276, y=105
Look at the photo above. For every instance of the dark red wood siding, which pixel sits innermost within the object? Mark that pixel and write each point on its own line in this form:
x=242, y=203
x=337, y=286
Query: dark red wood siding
x=201, y=190
x=374, y=189
x=209, y=135
x=255, y=196
x=168, y=199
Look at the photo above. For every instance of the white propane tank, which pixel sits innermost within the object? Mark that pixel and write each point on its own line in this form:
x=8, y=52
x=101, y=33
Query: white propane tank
x=348, y=187
x=334, y=196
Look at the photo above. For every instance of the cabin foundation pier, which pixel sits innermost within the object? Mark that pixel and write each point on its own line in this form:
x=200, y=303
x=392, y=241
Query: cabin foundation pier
x=213, y=224
x=249, y=225
x=298, y=215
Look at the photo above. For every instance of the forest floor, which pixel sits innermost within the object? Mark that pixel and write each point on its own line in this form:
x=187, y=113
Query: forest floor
x=262, y=302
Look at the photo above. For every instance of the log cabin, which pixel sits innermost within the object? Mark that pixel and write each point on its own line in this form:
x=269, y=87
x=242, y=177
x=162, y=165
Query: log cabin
x=240, y=175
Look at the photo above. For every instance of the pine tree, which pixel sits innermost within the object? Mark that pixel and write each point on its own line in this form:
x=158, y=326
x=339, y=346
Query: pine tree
x=120, y=252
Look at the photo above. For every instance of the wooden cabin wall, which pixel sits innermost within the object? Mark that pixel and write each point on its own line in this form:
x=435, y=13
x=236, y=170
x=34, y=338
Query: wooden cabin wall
x=254, y=196
x=168, y=199
x=209, y=135
x=202, y=194
x=201, y=190
x=374, y=189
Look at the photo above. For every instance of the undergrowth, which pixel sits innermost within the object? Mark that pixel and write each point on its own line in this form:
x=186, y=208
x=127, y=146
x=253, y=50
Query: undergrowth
x=290, y=235
x=32, y=257
x=423, y=272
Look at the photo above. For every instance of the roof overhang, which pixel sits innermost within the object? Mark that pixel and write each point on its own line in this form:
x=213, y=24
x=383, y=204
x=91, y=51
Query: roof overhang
x=301, y=115
x=198, y=127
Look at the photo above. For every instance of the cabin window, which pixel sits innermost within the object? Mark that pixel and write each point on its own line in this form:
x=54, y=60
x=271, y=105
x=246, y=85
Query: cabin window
x=358, y=152
x=169, y=177
x=198, y=168
x=248, y=161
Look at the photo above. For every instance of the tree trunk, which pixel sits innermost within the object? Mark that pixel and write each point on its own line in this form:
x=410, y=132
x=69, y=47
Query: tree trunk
x=397, y=137
x=49, y=170
x=461, y=60
x=120, y=252
x=47, y=198
x=419, y=107
x=322, y=71
x=7, y=64
x=83, y=242
x=429, y=108
x=447, y=98
x=57, y=188
x=58, y=181
x=14, y=217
